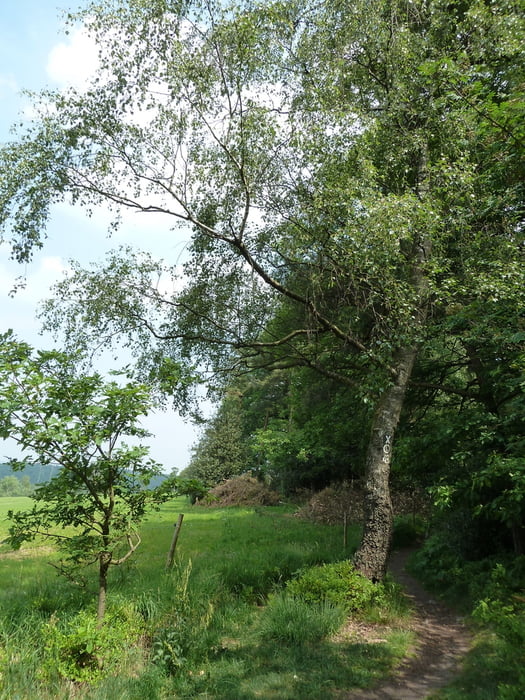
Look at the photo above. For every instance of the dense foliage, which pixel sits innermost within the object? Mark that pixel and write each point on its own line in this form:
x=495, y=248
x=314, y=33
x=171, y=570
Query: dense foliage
x=220, y=453
x=336, y=583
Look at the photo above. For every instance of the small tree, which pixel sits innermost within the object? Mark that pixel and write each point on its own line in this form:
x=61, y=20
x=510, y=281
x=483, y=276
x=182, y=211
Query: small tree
x=90, y=510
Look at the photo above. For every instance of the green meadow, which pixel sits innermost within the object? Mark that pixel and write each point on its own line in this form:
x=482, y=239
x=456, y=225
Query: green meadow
x=218, y=624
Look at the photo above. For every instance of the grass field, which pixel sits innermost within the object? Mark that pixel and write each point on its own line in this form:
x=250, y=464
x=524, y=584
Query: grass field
x=218, y=625
x=7, y=504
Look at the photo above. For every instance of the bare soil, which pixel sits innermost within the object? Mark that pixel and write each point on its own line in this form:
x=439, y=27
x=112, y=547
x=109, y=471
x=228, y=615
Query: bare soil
x=442, y=641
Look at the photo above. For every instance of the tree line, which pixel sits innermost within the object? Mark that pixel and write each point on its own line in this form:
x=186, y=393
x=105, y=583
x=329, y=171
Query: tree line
x=14, y=486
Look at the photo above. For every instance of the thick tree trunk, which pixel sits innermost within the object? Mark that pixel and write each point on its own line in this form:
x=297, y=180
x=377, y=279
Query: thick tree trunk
x=371, y=557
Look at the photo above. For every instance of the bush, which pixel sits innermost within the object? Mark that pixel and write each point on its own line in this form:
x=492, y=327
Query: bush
x=439, y=565
x=508, y=621
x=339, y=584
x=195, y=489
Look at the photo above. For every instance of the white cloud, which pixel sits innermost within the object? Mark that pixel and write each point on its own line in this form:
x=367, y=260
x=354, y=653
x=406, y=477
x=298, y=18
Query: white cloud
x=156, y=233
x=39, y=277
x=53, y=265
x=75, y=61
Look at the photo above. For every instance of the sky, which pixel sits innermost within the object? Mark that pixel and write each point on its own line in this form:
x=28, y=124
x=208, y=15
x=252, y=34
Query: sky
x=35, y=53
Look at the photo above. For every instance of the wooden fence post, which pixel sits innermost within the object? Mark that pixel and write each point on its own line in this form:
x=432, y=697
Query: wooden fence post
x=171, y=554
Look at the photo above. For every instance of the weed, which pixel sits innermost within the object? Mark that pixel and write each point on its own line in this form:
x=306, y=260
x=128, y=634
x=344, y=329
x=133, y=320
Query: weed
x=168, y=648
x=291, y=620
x=337, y=583
x=80, y=650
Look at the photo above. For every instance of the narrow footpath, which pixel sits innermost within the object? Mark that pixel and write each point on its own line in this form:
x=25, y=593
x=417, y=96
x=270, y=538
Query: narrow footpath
x=442, y=641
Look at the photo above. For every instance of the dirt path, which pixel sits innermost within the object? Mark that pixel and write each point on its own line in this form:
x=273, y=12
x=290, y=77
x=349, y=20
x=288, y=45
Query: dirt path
x=442, y=640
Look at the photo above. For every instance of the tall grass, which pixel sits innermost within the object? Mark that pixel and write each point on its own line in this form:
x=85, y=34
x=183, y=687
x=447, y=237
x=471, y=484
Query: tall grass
x=8, y=503
x=292, y=621
x=219, y=624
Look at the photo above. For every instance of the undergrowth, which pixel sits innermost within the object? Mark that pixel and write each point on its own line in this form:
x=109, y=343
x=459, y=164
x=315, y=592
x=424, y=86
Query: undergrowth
x=224, y=622
x=491, y=591
x=339, y=584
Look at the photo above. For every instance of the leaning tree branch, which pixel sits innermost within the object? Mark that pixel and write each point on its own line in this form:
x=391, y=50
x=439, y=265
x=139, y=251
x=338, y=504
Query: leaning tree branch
x=132, y=548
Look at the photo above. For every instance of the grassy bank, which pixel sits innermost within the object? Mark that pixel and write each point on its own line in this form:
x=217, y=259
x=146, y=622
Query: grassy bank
x=219, y=625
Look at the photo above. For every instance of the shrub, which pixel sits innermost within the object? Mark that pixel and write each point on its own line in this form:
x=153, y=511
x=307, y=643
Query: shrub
x=195, y=489
x=339, y=584
x=508, y=621
x=440, y=567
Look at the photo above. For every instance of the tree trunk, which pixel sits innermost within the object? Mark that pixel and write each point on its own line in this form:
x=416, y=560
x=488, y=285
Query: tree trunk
x=104, y=562
x=518, y=537
x=372, y=554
